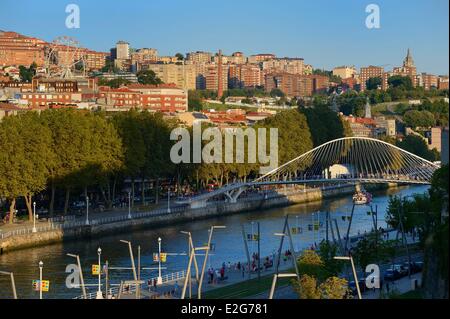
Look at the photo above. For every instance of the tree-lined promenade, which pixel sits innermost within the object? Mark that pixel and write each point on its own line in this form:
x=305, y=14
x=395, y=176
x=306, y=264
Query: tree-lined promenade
x=69, y=152
x=62, y=154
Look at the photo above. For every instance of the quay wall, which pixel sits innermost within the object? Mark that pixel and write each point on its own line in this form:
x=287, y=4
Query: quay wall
x=284, y=197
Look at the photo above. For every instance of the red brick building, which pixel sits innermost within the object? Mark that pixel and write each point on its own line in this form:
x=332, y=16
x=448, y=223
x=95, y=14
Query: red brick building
x=429, y=81
x=295, y=84
x=158, y=98
x=17, y=49
x=371, y=72
x=244, y=76
x=44, y=100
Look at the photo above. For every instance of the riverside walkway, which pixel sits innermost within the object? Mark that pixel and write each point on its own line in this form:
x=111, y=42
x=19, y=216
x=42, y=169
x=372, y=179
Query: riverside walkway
x=234, y=276
x=94, y=217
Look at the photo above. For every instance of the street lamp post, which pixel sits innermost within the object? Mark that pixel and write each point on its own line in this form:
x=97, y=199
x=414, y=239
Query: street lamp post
x=191, y=255
x=99, y=292
x=87, y=210
x=159, y=282
x=41, y=265
x=402, y=228
x=208, y=248
x=34, y=217
x=168, y=200
x=131, y=257
x=129, y=205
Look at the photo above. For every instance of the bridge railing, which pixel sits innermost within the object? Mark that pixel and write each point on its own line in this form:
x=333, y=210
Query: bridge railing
x=115, y=289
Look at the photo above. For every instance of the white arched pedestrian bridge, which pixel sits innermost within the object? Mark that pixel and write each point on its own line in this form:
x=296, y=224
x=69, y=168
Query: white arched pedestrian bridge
x=349, y=159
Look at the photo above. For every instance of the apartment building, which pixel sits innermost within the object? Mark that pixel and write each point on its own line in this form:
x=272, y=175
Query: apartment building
x=244, y=76
x=198, y=57
x=168, y=59
x=156, y=98
x=388, y=125
x=362, y=127
x=258, y=58
x=17, y=49
x=435, y=139
x=122, y=50
x=295, y=85
x=237, y=58
x=429, y=81
x=182, y=75
x=288, y=65
x=39, y=100
x=95, y=60
x=144, y=55
x=344, y=72
x=372, y=72
x=207, y=76
x=211, y=77
x=443, y=83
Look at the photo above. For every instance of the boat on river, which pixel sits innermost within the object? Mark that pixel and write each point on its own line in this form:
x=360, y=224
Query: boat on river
x=362, y=197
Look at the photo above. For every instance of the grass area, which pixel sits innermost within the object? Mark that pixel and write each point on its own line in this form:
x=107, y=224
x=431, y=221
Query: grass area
x=223, y=107
x=245, y=289
x=380, y=109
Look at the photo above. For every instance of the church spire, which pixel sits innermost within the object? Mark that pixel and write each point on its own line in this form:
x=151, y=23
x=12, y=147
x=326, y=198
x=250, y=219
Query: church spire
x=408, y=62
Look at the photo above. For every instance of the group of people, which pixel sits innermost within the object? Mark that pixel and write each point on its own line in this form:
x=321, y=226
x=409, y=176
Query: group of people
x=287, y=254
x=216, y=275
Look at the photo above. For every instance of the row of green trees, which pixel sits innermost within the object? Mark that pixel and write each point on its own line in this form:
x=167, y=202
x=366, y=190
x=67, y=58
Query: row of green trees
x=427, y=214
x=427, y=113
x=417, y=145
x=75, y=150
x=66, y=149
x=352, y=102
x=146, y=77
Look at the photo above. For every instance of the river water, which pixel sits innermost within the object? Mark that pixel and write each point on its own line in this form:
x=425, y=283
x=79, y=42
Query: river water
x=229, y=245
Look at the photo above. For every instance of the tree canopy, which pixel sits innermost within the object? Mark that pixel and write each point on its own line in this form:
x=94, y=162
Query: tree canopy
x=148, y=77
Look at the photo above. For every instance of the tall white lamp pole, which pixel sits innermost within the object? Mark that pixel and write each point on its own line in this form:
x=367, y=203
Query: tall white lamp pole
x=34, y=217
x=129, y=205
x=99, y=291
x=159, y=261
x=168, y=200
x=41, y=265
x=87, y=210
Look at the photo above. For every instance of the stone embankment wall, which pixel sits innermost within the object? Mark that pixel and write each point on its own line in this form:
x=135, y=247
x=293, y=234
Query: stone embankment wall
x=285, y=197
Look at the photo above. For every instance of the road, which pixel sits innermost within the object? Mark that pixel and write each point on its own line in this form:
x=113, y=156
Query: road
x=400, y=286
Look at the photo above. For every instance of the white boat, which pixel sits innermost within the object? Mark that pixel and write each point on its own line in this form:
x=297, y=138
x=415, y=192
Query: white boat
x=362, y=198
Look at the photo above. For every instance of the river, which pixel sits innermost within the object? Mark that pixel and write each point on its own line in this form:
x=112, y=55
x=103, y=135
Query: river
x=229, y=246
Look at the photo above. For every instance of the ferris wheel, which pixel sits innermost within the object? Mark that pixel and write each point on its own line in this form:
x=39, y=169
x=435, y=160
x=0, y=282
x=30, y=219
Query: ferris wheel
x=64, y=58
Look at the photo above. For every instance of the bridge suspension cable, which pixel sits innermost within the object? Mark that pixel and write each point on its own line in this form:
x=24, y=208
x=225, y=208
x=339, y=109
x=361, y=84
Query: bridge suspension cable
x=355, y=158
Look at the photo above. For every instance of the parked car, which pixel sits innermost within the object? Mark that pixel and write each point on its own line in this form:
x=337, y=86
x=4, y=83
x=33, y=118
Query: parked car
x=401, y=269
x=362, y=286
x=415, y=267
x=392, y=274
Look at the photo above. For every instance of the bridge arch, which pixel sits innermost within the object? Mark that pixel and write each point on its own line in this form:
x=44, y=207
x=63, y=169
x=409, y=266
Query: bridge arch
x=367, y=160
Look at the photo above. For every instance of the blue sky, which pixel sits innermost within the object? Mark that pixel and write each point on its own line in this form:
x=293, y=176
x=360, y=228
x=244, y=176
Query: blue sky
x=326, y=33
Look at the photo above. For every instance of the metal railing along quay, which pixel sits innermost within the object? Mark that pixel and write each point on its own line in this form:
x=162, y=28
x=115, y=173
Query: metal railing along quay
x=70, y=222
x=81, y=222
